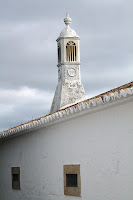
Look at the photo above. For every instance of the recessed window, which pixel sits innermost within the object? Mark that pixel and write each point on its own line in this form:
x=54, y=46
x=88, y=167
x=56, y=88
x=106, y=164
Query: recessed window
x=71, y=52
x=59, y=54
x=15, y=178
x=72, y=180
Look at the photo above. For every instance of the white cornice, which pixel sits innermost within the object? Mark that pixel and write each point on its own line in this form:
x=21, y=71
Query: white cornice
x=69, y=63
x=61, y=38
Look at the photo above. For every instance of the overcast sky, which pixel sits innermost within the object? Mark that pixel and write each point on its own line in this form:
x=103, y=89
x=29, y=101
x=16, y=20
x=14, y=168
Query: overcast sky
x=28, y=51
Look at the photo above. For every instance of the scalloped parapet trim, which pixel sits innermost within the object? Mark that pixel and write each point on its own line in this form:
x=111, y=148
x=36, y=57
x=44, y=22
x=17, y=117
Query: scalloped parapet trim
x=112, y=95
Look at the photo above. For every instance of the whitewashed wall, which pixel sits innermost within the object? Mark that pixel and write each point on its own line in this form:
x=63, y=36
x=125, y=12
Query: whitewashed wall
x=101, y=142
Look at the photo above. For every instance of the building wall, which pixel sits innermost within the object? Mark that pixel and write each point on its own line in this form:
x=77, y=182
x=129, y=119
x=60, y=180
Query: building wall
x=101, y=142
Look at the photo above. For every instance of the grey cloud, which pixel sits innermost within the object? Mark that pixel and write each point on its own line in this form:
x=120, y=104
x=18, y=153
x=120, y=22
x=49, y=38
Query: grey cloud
x=24, y=104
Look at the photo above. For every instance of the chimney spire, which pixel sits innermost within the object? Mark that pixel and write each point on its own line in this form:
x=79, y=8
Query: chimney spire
x=69, y=89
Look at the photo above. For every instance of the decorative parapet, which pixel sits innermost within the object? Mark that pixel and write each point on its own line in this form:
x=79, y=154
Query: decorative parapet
x=112, y=95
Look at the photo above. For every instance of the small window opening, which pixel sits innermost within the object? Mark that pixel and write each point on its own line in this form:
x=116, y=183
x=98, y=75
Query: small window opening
x=71, y=51
x=59, y=54
x=75, y=53
x=15, y=178
x=71, y=180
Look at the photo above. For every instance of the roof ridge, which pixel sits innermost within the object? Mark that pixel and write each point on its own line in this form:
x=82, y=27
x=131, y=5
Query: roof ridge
x=96, y=100
x=127, y=85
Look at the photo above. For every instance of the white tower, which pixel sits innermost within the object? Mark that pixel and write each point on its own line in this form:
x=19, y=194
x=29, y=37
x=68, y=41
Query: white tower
x=69, y=89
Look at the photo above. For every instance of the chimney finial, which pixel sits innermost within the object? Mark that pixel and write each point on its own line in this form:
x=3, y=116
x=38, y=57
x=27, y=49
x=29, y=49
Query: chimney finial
x=67, y=20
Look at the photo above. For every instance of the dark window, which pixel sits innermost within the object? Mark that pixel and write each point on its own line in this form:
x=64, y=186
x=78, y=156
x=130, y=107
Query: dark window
x=71, y=180
x=59, y=54
x=15, y=178
x=70, y=51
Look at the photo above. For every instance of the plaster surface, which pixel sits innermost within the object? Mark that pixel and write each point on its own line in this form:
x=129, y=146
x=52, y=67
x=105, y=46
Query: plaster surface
x=101, y=142
x=69, y=89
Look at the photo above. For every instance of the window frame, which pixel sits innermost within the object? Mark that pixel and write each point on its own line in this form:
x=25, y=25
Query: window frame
x=70, y=190
x=15, y=183
x=71, y=52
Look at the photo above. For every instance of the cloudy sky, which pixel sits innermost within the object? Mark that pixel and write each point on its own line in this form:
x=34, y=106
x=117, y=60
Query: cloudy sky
x=28, y=52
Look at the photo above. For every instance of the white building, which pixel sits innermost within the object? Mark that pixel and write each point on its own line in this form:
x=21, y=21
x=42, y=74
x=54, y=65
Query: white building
x=78, y=151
